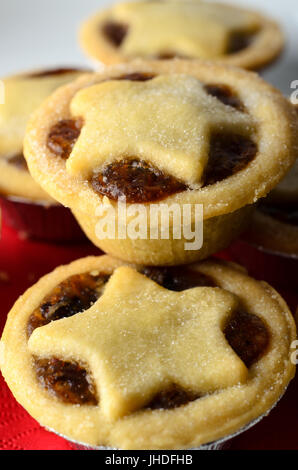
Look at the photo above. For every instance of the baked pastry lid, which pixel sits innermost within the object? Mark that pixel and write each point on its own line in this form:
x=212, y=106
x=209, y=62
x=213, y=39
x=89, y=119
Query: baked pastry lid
x=276, y=129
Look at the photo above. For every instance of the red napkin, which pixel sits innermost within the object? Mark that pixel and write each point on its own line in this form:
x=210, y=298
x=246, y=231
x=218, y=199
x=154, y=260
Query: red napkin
x=22, y=263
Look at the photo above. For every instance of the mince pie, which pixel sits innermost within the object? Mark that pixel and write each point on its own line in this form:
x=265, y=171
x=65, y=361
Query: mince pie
x=188, y=29
x=156, y=135
x=132, y=357
x=23, y=94
x=25, y=206
x=274, y=226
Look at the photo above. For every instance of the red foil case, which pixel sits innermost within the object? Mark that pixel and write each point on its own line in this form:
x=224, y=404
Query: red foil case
x=41, y=220
x=278, y=269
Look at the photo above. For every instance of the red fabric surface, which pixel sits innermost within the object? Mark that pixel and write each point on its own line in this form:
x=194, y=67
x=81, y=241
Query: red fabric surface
x=22, y=262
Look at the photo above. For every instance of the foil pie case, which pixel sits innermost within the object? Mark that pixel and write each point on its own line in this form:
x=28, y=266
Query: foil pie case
x=41, y=220
x=221, y=444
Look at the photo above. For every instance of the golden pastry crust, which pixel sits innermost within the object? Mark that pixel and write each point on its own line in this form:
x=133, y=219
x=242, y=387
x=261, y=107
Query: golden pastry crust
x=201, y=421
x=275, y=135
x=276, y=138
x=266, y=44
x=23, y=94
x=218, y=233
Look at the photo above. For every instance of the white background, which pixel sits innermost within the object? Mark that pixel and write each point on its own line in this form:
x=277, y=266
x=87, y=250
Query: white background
x=37, y=33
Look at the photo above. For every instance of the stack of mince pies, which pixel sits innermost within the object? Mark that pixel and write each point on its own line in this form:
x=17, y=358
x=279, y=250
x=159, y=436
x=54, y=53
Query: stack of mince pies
x=153, y=345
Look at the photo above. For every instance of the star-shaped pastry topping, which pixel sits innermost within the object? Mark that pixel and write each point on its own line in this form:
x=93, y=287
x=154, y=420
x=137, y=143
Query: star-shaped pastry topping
x=189, y=28
x=166, y=121
x=139, y=338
